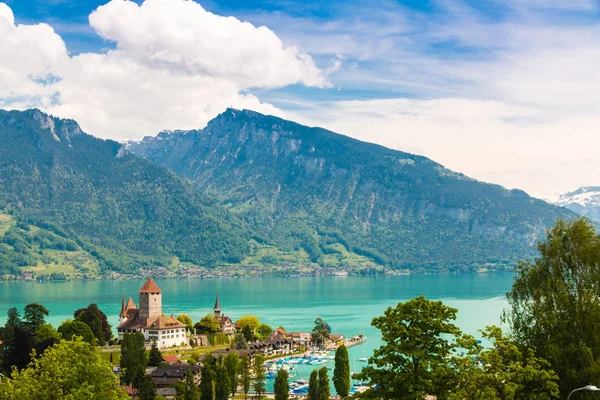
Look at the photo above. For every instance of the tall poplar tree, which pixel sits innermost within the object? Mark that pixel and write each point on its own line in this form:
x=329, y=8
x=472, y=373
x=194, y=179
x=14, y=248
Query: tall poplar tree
x=245, y=374
x=207, y=375
x=324, y=392
x=341, y=372
x=313, y=385
x=222, y=387
x=232, y=361
x=281, y=385
x=259, y=375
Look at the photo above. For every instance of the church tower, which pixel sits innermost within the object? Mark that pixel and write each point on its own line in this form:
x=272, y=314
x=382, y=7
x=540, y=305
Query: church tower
x=150, y=300
x=217, y=309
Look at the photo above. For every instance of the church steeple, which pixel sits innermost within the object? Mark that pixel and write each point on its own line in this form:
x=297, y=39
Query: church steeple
x=217, y=308
x=123, y=313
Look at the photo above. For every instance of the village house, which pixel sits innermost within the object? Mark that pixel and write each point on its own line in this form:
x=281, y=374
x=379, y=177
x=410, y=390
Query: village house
x=300, y=338
x=171, y=374
x=149, y=320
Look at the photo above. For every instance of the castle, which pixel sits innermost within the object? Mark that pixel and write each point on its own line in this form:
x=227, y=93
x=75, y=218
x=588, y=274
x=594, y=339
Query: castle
x=149, y=320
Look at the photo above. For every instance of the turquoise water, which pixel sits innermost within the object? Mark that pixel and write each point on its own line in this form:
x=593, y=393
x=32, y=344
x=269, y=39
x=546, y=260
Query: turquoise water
x=348, y=304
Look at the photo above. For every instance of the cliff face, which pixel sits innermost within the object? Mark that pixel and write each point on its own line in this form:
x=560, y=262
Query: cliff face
x=312, y=189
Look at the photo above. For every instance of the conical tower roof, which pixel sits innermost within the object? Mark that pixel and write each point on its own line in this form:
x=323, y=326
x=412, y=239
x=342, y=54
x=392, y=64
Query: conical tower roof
x=130, y=305
x=217, y=304
x=123, y=313
x=150, y=287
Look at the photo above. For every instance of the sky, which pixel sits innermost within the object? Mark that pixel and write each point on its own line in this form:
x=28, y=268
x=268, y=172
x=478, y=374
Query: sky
x=505, y=91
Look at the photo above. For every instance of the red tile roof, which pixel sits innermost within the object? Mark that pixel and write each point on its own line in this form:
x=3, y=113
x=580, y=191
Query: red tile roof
x=150, y=287
x=171, y=359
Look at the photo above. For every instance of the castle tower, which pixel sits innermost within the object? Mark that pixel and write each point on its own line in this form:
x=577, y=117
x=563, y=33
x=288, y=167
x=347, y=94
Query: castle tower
x=217, y=309
x=150, y=300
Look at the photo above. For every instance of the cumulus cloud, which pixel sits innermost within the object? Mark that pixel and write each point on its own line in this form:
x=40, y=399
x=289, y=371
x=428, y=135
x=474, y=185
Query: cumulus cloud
x=175, y=66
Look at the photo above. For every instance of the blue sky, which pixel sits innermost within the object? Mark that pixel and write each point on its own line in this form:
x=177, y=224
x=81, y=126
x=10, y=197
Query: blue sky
x=506, y=91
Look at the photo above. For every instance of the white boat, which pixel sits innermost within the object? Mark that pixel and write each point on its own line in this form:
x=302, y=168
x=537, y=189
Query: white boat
x=363, y=359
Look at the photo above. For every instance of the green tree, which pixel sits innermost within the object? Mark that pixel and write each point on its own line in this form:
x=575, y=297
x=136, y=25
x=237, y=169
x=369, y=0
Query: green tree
x=207, y=377
x=324, y=392
x=418, y=336
x=554, y=306
x=68, y=370
x=321, y=332
x=239, y=341
x=46, y=332
x=250, y=321
x=264, y=331
x=313, y=385
x=14, y=319
x=146, y=388
x=69, y=329
x=93, y=317
x=503, y=371
x=248, y=334
x=133, y=356
x=245, y=374
x=207, y=325
x=259, y=375
x=222, y=386
x=341, y=372
x=187, y=390
x=281, y=385
x=34, y=316
x=155, y=357
x=185, y=319
x=232, y=361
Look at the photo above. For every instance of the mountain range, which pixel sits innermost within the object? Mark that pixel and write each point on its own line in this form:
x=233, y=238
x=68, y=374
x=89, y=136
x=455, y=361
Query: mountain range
x=324, y=193
x=248, y=190
x=584, y=201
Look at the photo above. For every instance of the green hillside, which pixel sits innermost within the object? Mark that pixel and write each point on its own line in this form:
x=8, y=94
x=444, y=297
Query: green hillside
x=119, y=211
x=312, y=190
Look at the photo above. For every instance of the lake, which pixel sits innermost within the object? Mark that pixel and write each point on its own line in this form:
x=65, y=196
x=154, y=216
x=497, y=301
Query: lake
x=348, y=304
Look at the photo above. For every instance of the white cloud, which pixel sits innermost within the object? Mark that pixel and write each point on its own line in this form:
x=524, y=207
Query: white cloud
x=175, y=66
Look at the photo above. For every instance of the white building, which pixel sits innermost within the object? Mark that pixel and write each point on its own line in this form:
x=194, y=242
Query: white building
x=148, y=319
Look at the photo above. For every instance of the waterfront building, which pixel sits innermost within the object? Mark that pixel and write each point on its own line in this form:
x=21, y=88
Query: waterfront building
x=226, y=325
x=149, y=320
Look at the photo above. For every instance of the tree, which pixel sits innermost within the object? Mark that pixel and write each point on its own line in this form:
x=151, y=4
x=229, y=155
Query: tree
x=34, y=317
x=232, y=362
x=250, y=321
x=206, y=382
x=155, y=358
x=69, y=329
x=146, y=388
x=281, y=385
x=185, y=319
x=264, y=331
x=208, y=324
x=553, y=303
x=321, y=331
x=222, y=387
x=313, y=385
x=69, y=370
x=190, y=391
x=259, y=375
x=245, y=374
x=324, y=392
x=341, y=372
x=418, y=336
x=14, y=319
x=239, y=341
x=503, y=371
x=97, y=321
x=248, y=334
x=133, y=356
x=46, y=332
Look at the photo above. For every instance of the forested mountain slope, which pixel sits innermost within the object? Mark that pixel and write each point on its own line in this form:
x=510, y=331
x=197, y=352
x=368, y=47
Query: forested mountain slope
x=314, y=190
x=123, y=211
